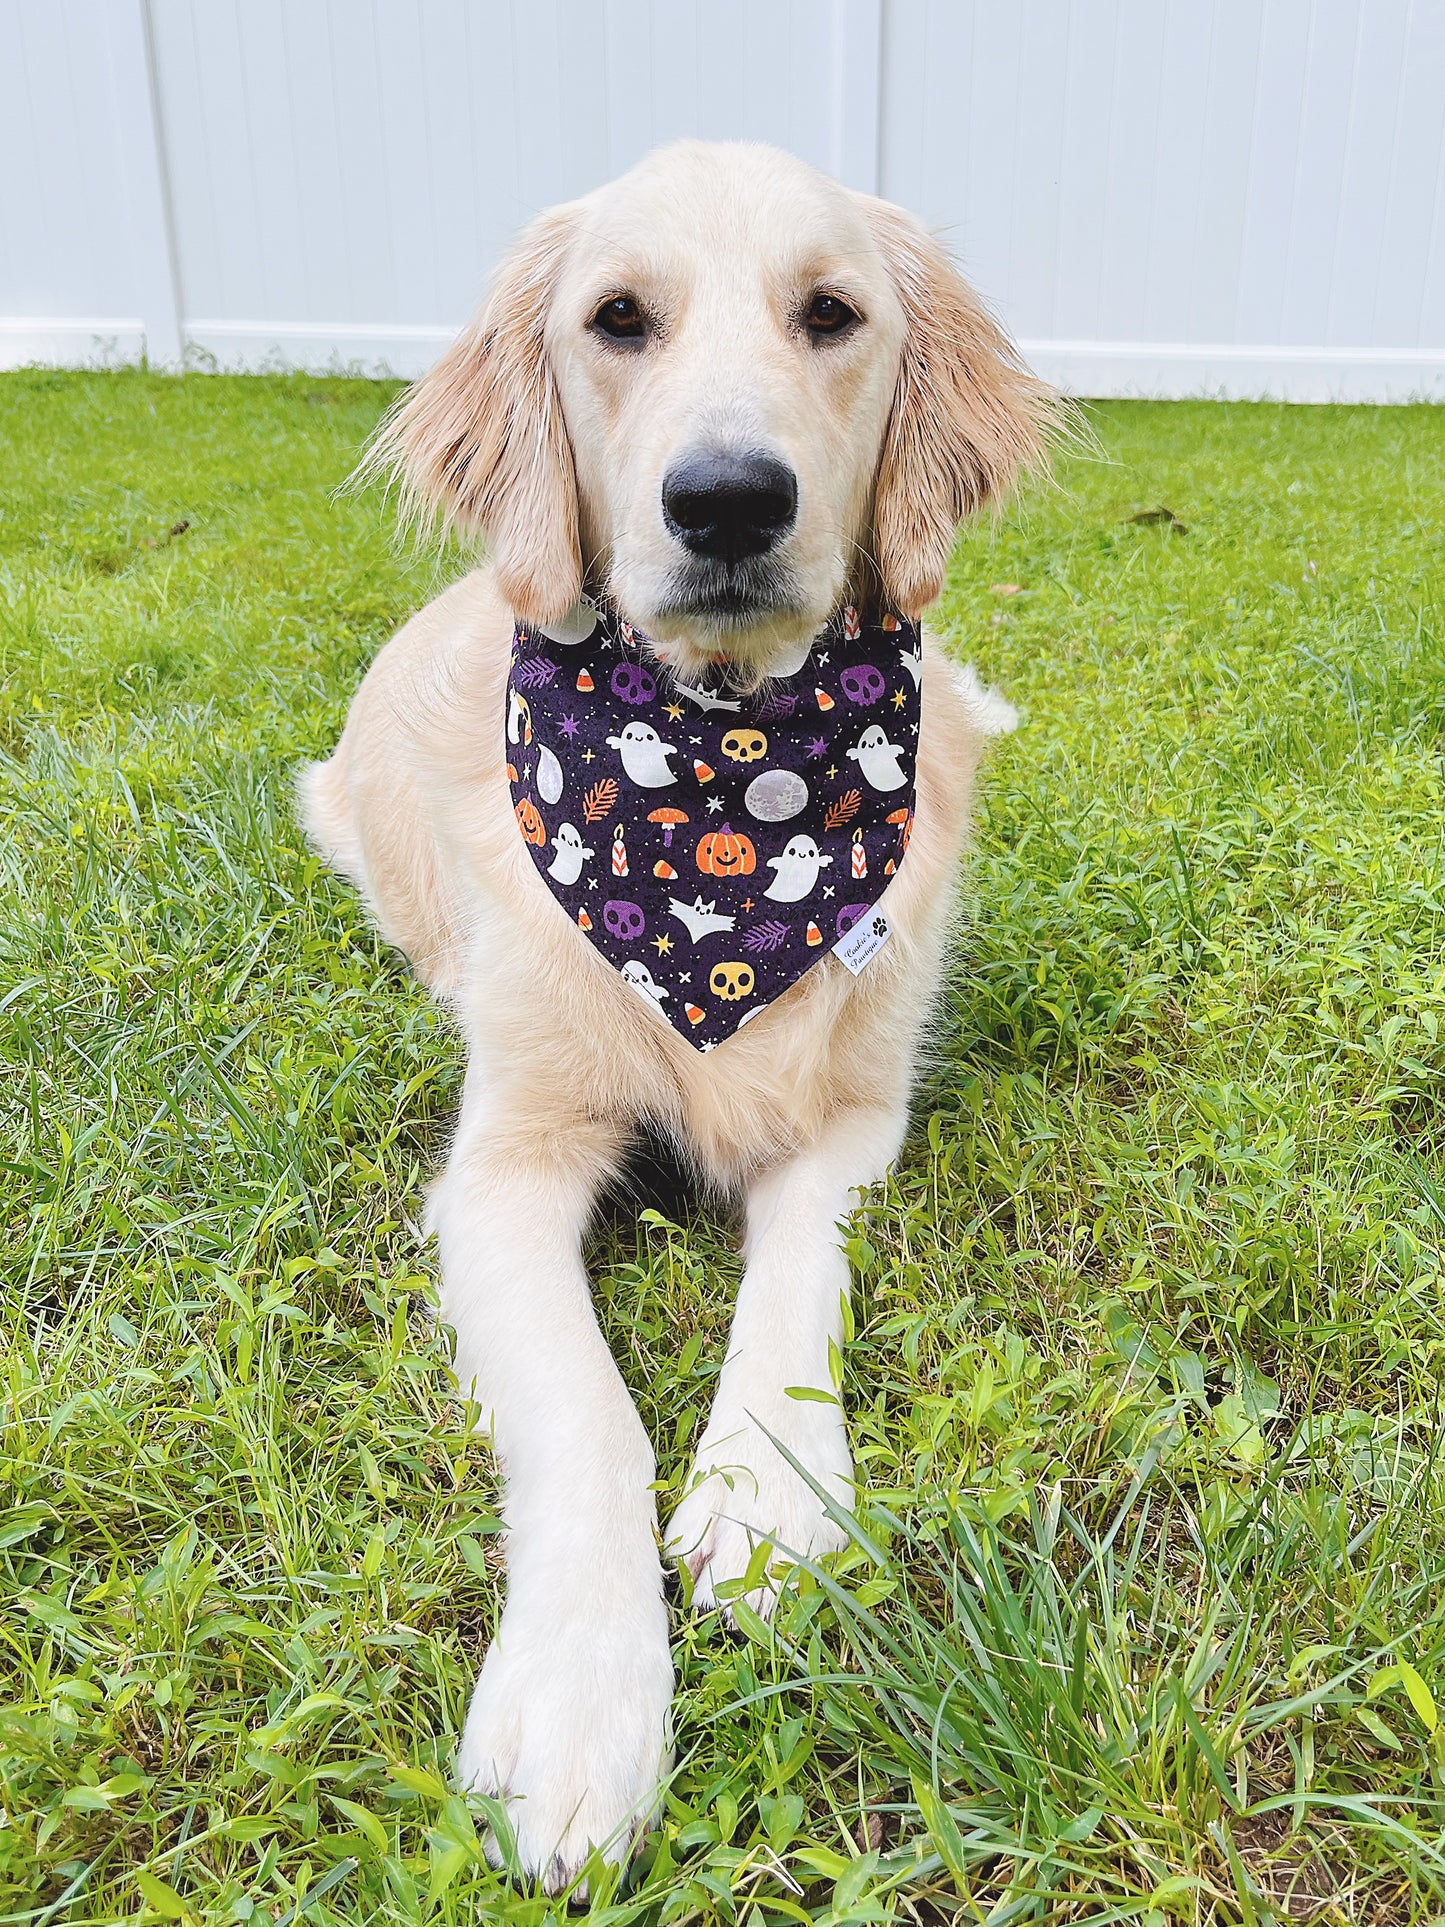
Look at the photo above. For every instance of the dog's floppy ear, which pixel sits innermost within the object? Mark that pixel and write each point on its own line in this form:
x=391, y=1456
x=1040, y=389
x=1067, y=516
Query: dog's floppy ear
x=480, y=441
x=967, y=415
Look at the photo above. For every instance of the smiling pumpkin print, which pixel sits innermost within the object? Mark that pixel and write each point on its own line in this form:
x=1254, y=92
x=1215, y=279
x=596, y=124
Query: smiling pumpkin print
x=724, y=853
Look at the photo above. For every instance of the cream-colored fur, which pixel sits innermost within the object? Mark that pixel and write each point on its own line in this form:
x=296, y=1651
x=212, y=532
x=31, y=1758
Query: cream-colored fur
x=551, y=446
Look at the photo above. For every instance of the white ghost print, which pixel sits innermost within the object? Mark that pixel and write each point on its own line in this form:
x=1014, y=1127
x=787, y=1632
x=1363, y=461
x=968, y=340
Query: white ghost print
x=797, y=870
x=877, y=759
x=644, y=756
x=572, y=853
x=641, y=979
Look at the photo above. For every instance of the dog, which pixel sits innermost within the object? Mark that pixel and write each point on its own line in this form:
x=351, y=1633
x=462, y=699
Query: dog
x=732, y=403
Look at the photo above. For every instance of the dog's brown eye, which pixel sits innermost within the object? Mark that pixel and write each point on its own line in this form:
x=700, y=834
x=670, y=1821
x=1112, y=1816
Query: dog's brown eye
x=827, y=315
x=620, y=319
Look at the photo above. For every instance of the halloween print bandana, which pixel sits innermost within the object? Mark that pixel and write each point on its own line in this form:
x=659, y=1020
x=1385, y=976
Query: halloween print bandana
x=715, y=845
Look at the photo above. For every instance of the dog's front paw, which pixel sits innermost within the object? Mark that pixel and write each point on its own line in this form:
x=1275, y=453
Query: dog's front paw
x=743, y=1491
x=569, y=1725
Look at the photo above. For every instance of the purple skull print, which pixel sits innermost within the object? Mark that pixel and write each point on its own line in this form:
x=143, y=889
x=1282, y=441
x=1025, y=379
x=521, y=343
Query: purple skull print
x=713, y=843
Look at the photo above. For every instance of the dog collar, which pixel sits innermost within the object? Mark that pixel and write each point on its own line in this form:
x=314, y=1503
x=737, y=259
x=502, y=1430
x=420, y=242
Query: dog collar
x=714, y=844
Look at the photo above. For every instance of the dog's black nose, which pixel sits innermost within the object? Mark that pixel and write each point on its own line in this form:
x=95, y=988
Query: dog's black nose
x=729, y=505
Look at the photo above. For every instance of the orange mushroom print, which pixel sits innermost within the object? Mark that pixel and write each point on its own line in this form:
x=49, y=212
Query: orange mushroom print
x=670, y=819
x=722, y=840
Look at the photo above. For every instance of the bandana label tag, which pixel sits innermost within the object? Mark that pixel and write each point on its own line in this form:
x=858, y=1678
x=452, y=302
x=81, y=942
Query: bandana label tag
x=861, y=944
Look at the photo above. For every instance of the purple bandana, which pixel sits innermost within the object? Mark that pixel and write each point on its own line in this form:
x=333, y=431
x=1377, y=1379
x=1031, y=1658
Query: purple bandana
x=714, y=845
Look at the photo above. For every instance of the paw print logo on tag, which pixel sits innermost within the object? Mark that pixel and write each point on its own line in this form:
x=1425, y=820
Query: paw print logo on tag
x=863, y=937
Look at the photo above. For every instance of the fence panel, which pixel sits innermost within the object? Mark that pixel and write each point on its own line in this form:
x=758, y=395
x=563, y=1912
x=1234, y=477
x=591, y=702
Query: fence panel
x=1159, y=197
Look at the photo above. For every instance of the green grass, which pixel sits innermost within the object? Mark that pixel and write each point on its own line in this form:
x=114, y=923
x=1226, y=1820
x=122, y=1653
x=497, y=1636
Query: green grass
x=1146, y=1618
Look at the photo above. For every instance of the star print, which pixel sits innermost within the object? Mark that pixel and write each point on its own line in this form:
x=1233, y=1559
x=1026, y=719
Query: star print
x=684, y=976
x=823, y=655
x=899, y=699
x=697, y=740
x=827, y=889
x=591, y=883
x=710, y=1046
x=714, y=802
x=662, y=945
x=526, y=772
x=588, y=757
x=569, y=725
x=817, y=747
x=674, y=711
x=832, y=769
x=747, y=903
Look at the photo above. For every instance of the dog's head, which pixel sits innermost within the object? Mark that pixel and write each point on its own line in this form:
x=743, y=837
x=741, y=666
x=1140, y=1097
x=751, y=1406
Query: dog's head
x=728, y=392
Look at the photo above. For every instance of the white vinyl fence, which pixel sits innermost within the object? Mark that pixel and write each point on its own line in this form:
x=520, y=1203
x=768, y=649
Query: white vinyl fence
x=1160, y=197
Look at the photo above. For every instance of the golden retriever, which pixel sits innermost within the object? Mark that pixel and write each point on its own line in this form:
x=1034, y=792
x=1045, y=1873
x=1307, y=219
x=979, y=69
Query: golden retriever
x=717, y=298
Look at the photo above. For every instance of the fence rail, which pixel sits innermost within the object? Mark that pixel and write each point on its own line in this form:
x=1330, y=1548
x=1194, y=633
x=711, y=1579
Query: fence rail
x=1245, y=197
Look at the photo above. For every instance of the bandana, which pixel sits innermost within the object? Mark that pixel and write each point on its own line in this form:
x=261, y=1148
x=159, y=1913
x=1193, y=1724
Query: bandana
x=714, y=844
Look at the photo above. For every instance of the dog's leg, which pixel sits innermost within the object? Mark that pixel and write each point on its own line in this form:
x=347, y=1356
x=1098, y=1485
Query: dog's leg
x=789, y=1311
x=569, y=1720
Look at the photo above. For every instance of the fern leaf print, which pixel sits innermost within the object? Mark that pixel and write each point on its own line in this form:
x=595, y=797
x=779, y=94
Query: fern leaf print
x=843, y=810
x=763, y=937
x=600, y=800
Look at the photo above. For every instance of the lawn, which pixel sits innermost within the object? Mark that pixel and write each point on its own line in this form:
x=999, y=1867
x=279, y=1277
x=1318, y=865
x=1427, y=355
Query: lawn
x=1146, y=1617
